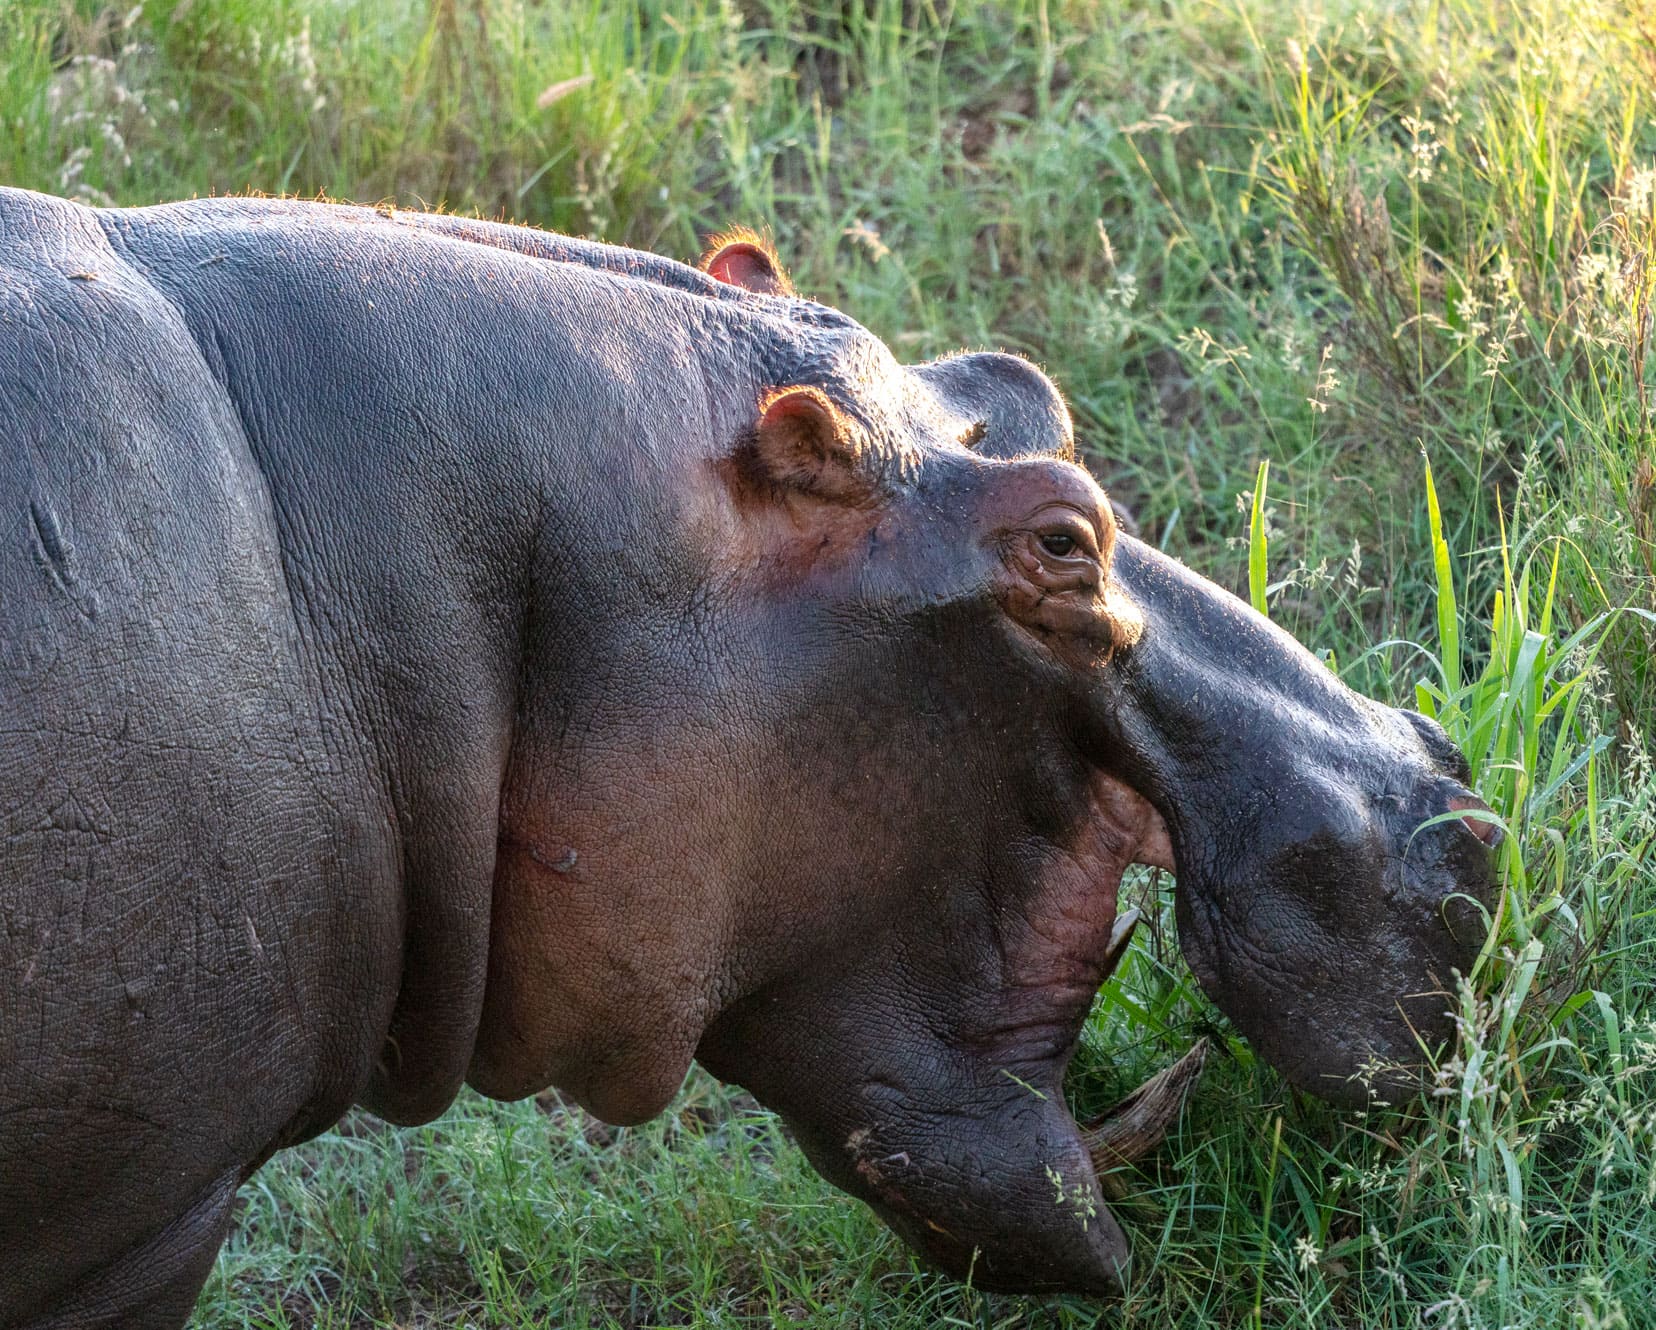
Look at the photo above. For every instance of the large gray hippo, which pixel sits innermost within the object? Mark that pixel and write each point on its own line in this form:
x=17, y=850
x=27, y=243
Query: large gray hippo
x=435, y=652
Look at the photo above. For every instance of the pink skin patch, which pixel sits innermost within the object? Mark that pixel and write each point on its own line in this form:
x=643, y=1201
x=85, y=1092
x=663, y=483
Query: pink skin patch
x=1484, y=829
x=1070, y=943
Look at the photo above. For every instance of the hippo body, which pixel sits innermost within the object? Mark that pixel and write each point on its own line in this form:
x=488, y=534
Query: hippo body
x=435, y=651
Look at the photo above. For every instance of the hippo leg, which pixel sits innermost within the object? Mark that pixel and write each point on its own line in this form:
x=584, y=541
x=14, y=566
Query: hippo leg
x=154, y=1285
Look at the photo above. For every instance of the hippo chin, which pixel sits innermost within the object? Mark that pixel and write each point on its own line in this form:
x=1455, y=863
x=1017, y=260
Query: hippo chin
x=437, y=651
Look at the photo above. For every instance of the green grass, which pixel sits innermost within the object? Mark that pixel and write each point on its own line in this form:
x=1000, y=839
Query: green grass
x=1318, y=237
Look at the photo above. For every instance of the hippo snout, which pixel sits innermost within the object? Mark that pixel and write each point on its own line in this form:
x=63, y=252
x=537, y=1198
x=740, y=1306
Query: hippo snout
x=1336, y=942
x=1334, y=867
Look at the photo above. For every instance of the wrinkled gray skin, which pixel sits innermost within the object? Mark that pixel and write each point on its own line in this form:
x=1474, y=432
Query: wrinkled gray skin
x=435, y=651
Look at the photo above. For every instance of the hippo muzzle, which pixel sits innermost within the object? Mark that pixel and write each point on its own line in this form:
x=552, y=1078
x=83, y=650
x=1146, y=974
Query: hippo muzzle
x=1321, y=903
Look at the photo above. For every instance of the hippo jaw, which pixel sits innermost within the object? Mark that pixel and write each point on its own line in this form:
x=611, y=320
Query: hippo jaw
x=1045, y=1233
x=1025, y=1210
x=954, y=1129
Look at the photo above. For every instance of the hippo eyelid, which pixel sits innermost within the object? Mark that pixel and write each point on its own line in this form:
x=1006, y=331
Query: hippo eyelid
x=1064, y=523
x=973, y=434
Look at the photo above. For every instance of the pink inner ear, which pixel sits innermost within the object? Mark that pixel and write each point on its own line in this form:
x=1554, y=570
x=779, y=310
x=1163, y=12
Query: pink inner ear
x=805, y=406
x=803, y=443
x=1486, y=831
x=747, y=266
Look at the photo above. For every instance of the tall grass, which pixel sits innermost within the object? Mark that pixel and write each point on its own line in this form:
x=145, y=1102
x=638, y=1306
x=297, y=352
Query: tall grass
x=1482, y=194
x=1318, y=237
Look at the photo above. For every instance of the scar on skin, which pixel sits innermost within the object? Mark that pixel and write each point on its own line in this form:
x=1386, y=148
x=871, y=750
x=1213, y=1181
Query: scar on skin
x=869, y=1169
x=563, y=864
x=869, y=1173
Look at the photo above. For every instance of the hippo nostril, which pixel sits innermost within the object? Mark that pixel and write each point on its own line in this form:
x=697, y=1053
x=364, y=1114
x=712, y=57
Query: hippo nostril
x=1480, y=826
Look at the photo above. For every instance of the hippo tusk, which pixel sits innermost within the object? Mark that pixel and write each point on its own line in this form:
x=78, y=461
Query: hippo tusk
x=1120, y=935
x=1136, y=1126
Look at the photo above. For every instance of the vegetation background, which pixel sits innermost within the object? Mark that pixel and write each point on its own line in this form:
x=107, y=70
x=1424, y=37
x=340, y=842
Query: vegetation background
x=1333, y=236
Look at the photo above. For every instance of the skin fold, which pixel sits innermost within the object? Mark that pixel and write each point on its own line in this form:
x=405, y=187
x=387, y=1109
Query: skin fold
x=441, y=652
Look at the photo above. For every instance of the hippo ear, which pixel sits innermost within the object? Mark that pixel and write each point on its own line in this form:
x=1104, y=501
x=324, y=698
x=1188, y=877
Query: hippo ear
x=803, y=443
x=743, y=258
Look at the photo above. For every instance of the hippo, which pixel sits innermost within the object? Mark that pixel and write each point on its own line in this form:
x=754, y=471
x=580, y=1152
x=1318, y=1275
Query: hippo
x=438, y=652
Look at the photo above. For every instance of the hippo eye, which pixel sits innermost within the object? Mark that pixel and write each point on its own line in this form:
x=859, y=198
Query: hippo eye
x=1059, y=533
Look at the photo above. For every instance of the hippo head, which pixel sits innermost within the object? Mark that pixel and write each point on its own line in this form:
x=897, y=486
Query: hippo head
x=1033, y=703
x=936, y=705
